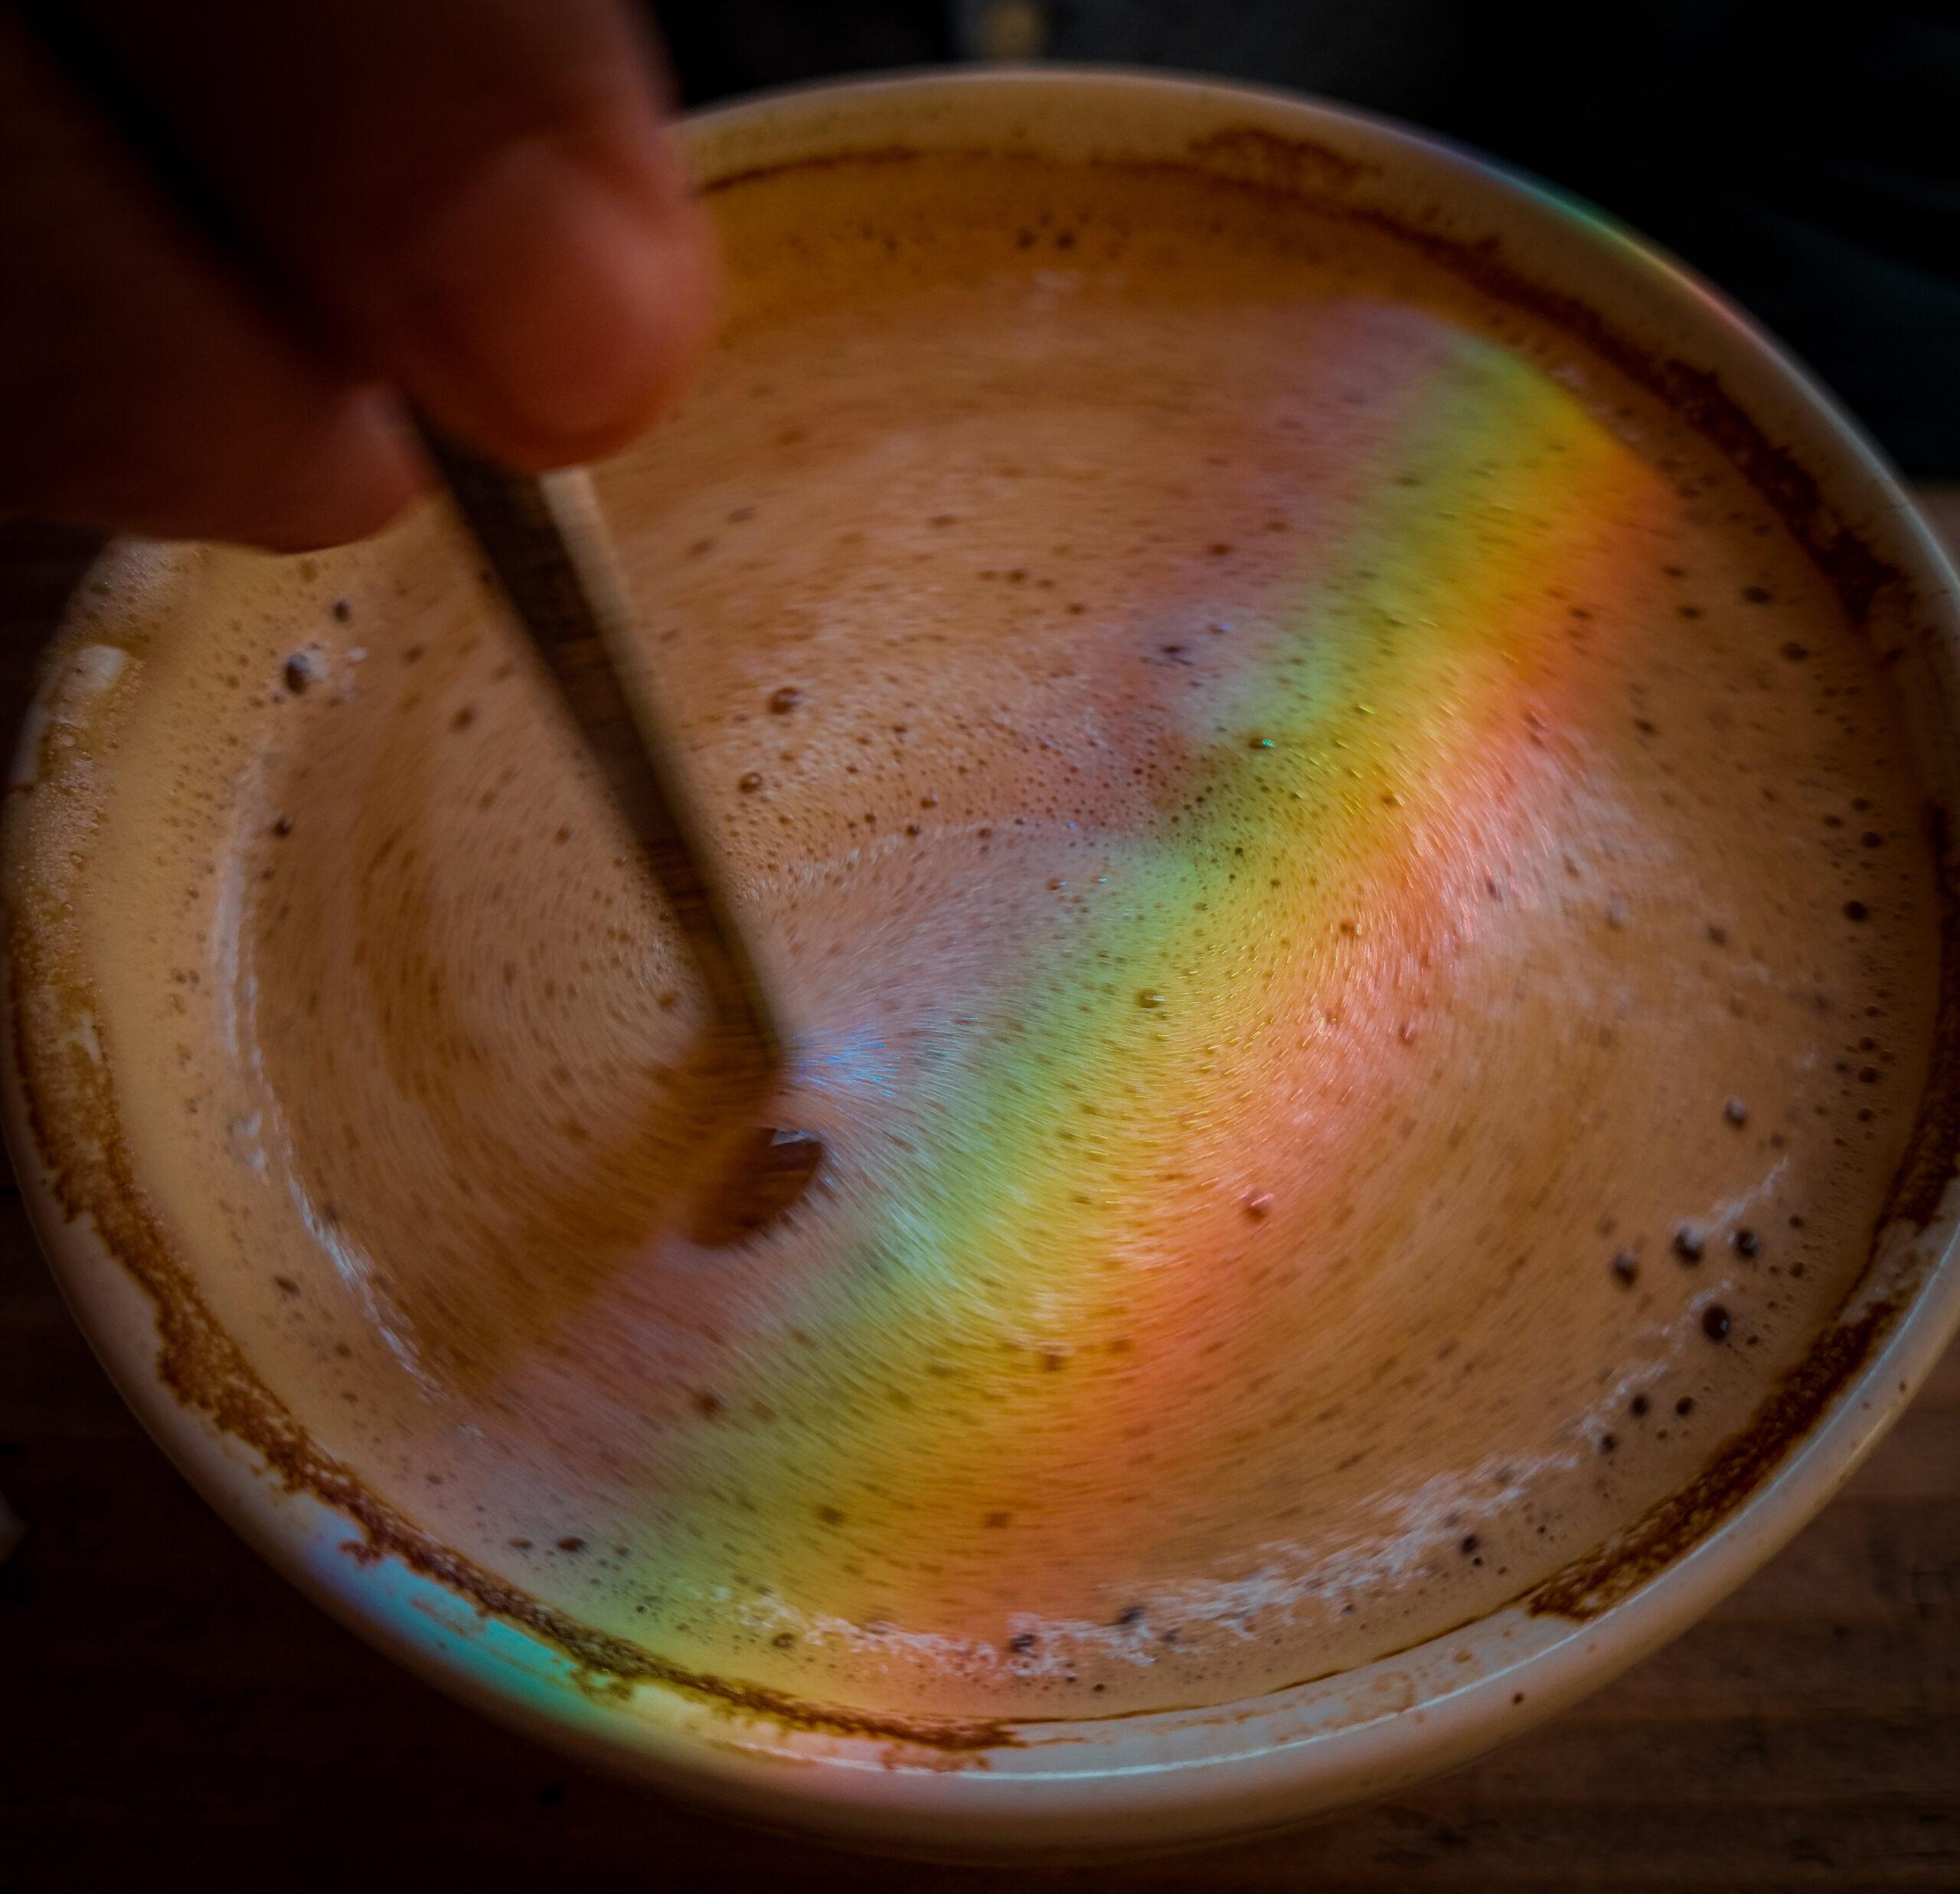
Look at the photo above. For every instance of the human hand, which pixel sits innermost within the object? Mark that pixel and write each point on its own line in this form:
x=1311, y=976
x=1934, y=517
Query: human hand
x=471, y=205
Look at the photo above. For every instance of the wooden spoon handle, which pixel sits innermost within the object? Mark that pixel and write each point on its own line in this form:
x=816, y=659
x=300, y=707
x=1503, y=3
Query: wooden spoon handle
x=547, y=545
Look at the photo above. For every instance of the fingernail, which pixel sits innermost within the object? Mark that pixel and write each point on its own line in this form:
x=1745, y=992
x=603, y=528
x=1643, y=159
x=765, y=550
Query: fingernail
x=563, y=306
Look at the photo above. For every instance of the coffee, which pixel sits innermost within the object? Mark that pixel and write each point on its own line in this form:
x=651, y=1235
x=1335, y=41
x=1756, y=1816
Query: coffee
x=1361, y=939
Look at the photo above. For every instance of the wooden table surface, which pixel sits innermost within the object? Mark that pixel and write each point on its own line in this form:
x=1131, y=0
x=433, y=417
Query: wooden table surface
x=171, y=1712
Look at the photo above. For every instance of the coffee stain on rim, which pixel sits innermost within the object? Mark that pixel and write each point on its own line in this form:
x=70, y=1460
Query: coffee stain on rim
x=1285, y=159
x=1589, y=1585
x=207, y=1373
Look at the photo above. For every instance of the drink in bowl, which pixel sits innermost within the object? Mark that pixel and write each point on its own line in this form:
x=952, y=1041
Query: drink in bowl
x=1339, y=772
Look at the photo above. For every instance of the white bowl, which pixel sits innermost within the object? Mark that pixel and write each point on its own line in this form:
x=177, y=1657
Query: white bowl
x=1179, y=1777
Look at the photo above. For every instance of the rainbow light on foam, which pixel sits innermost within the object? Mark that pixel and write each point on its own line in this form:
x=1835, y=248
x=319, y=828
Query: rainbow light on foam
x=1024, y=1309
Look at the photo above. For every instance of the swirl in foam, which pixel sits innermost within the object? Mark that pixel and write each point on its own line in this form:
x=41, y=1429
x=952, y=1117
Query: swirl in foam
x=1363, y=951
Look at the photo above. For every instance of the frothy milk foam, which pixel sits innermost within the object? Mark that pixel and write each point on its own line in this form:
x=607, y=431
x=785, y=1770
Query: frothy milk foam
x=1361, y=939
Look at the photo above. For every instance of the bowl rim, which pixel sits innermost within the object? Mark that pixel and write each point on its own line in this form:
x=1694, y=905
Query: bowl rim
x=1116, y=1785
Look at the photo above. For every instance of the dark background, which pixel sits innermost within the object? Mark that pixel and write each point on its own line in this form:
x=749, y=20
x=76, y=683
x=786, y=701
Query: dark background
x=1806, y=158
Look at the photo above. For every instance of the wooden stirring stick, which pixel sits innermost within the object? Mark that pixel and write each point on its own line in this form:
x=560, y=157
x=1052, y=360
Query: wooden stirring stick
x=548, y=544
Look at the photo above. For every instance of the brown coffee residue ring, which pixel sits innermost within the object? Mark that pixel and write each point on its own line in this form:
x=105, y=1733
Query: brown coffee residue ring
x=206, y=1372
